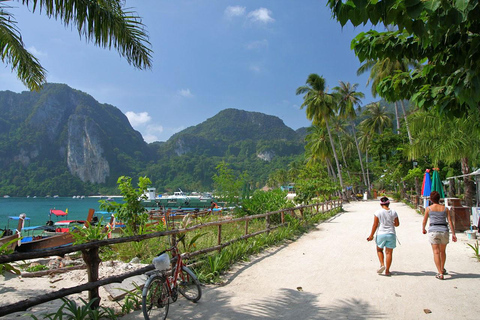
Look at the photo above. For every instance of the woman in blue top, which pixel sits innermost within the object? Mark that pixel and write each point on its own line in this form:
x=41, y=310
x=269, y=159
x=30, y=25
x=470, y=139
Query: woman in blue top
x=438, y=232
x=385, y=220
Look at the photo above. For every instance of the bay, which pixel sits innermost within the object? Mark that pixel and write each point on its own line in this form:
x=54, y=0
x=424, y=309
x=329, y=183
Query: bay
x=38, y=209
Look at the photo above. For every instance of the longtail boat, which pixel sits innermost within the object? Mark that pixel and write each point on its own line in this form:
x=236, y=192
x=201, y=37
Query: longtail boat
x=42, y=242
x=8, y=236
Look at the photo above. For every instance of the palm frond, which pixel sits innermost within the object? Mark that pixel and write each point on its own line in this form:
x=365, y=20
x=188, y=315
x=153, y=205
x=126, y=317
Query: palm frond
x=103, y=22
x=14, y=53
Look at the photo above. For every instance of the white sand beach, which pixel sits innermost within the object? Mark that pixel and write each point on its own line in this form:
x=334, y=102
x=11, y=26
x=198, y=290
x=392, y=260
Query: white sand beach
x=329, y=273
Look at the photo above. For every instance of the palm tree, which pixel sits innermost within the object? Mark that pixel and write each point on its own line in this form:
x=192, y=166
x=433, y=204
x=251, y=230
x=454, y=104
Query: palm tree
x=349, y=99
x=318, y=147
x=103, y=22
x=320, y=108
x=378, y=119
x=450, y=140
x=379, y=70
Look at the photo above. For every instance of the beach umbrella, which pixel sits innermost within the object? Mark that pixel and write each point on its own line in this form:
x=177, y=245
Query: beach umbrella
x=427, y=184
x=437, y=183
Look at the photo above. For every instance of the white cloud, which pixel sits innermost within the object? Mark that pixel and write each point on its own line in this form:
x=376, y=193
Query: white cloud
x=235, y=11
x=36, y=52
x=255, y=68
x=257, y=44
x=185, y=93
x=262, y=15
x=149, y=138
x=137, y=118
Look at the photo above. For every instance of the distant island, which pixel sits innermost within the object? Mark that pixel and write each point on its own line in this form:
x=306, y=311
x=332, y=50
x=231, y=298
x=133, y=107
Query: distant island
x=62, y=141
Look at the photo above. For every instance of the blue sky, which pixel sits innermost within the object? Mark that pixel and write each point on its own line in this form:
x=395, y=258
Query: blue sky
x=208, y=56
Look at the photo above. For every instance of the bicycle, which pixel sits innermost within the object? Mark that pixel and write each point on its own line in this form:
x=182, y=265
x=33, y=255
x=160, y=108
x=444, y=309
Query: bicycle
x=162, y=287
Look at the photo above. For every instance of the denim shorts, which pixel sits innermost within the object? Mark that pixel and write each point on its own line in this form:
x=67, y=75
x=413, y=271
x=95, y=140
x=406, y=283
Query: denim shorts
x=439, y=237
x=388, y=240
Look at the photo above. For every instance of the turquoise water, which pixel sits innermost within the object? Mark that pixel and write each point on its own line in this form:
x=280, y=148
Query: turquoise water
x=38, y=209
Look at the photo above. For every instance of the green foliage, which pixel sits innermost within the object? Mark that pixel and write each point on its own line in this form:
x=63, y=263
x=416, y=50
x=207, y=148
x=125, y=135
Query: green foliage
x=264, y=201
x=38, y=267
x=476, y=250
x=131, y=211
x=71, y=311
x=444, y=33
x=133, y=300
x=313, y=182
x=227, y=187
x=92, y=233
x=5, y=249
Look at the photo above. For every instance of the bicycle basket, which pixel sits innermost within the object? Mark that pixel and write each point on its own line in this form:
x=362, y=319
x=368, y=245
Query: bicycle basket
x=162, y=262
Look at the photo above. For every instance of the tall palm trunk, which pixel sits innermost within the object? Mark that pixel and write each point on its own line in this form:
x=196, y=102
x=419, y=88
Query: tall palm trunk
x=343, y=156
x=406, y=123
x=359, y=153
x=368, y=174
x=339, y=170
x=469, y=185
x=397, y=118
x=331, y=172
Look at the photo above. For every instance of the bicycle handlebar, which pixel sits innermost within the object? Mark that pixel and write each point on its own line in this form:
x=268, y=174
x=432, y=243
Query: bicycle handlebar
x=172, y=247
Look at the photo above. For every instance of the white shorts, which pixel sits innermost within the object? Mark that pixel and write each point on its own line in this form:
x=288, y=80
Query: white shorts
x=438, y=237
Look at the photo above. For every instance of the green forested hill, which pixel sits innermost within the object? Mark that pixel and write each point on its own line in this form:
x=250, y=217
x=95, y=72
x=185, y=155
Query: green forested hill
x=62, y=141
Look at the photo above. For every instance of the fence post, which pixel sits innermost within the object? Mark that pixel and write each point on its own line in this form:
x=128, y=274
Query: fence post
x=283, y=217
x=219, y=240
x=267, y=221
x=92, y=260
x=246, y=227
x=301, y=212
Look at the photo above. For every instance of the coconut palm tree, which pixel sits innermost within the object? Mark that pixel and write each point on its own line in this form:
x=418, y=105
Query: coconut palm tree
x=320, y=108
x=380, y=69
x=449, y=140
x=378, y=119
x=318, y=148
x=103, y=22
x=349, y=103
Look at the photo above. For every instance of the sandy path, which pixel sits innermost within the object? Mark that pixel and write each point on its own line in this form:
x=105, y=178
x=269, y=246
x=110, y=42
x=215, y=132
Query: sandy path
x=330, y=273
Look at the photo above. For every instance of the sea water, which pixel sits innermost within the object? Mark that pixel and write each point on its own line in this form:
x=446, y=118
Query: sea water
x=38, y=209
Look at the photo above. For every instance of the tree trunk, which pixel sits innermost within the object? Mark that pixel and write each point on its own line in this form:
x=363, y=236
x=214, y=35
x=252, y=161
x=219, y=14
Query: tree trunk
x=368, y=174
x=339, y=170
x=469, y=185
x=406, y=123
x=359, y=153
x=397, y=118
x=331, y=172
x=343, y=156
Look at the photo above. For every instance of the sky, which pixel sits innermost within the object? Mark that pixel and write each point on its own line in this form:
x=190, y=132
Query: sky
x=207, y=56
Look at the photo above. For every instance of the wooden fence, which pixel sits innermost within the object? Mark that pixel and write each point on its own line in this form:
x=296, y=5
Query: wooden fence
x=92, y=260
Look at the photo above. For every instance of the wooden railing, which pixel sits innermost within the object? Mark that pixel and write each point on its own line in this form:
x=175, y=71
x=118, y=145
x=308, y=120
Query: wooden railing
x=91, y=257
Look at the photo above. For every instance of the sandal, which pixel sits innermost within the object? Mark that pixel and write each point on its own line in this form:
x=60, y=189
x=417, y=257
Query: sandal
x=381, y=269
x=444, y=272
x=439, y=276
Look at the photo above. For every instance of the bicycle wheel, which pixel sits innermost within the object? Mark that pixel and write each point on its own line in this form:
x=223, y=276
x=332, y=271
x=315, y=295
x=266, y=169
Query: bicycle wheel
x=188, y=285
x=155, y=298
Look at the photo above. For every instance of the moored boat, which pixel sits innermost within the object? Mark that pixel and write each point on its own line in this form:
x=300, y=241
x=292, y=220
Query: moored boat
x=178, y=200
x=8, y=235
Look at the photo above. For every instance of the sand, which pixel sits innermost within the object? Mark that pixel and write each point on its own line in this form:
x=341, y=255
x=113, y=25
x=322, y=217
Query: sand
x=329, y=273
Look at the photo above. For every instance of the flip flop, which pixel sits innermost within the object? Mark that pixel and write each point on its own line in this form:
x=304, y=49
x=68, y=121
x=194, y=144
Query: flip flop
x=445, y=272
x=439, y=276
x=382, y=268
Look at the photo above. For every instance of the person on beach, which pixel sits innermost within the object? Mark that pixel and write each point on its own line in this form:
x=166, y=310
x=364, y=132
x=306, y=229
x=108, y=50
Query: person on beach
x=384, y=222
x=438, y=234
